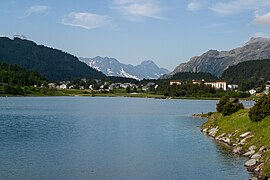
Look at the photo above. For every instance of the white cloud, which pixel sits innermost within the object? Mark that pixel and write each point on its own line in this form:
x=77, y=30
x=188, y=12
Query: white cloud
x=193, y=6
x=137, y=10
x=86, y=20
x=37, y=9
x=237, y=6
x=262, y=20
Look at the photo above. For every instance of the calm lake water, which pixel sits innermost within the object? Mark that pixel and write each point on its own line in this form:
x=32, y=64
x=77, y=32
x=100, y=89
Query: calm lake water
x=110, y=138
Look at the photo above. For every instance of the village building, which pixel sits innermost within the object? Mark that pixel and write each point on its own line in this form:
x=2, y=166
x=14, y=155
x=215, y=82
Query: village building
x=252, y=91
x=232, y=86
x=63, y=86
x=175, y=82
x=217, y=85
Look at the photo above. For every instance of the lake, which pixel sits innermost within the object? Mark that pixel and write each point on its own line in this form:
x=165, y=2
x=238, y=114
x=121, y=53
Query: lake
x=110, y=138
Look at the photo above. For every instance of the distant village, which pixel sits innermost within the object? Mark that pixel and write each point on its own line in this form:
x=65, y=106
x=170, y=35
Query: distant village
x=100, y=86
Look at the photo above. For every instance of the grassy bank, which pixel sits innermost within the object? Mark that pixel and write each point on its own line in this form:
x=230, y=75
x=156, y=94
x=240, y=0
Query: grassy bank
x=239, y=123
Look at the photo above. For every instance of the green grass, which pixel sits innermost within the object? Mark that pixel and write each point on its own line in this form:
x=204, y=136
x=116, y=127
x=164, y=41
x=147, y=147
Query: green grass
x=241, y=122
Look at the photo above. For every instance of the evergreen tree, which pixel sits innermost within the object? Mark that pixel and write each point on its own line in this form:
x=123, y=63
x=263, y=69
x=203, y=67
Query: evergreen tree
x=222, y=102
x=260, y=110
x=227, y=107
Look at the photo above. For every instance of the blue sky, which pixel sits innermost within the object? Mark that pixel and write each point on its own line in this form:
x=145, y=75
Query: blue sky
x=167, y=31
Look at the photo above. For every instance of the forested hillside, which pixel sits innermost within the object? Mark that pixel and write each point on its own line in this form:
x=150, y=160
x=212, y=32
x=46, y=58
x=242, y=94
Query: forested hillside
x=248, y=74
x=189, y=76
x=51, y=63
x=15, y=75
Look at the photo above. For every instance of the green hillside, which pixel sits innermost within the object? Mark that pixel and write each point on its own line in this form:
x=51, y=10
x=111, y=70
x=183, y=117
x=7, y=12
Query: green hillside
x=248, y=74
x=189, y=76
x=51, y=63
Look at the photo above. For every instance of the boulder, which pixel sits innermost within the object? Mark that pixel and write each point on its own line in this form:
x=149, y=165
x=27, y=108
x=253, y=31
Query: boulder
x=204, y=130
x=250, y=163
x=226, y=140
x=243, y=141
x=251, y=148
x=213, y=132
x=233, y=133
x=262, y=149
x=245, y=134
x=256, y=156
x=237, y=150
x=259, y=167
x=249, y=153
x=220, y=136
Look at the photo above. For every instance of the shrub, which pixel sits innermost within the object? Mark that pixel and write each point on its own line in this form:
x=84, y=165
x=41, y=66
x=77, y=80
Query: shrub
x=260, y=110
x=227, y=107
x=222, y=102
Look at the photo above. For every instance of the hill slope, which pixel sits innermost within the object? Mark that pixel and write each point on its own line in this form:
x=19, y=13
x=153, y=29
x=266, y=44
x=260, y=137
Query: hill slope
x=112, y=67
x=215, y=62
x=255, y=73
x=51, y=63
x=189, y=76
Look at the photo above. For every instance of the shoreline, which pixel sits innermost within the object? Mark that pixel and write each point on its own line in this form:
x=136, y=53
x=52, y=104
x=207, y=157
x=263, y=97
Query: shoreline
x=88, y=94
x=240, y=142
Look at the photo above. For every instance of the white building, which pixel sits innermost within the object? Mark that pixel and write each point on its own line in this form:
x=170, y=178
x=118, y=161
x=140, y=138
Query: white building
x=232, y=86
x=252, y=91
x=175, y=82
x=63, y=86
x=218, y=85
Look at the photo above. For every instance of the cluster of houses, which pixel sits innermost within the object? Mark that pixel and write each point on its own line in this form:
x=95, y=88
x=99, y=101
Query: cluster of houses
x=103, y=87
x=267, y=89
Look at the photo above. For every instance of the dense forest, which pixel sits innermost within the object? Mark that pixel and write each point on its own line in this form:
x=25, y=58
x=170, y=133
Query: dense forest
x=189, y=76
x=15, y=75
x=15, y=80
x=249, y=74
x=51, y=63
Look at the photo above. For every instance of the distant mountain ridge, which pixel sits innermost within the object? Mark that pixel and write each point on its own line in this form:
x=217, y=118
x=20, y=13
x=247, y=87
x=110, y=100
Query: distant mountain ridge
x=53, y=64
x=112, y=67
x=215, y=62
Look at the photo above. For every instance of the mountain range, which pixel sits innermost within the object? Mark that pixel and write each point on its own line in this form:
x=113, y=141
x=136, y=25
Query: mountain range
x=112, y=67
x=215, y=62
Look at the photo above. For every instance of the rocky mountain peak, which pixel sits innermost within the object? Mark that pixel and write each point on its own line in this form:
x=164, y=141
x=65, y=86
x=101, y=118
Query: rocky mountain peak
x=215, y=62
x=257, y=40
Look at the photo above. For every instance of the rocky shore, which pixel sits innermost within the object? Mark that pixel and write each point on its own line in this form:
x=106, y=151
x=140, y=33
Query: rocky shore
x=238, y=144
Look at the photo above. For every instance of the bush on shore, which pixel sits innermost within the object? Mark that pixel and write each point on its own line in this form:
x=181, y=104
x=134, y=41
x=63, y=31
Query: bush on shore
x=261, y=109
x=227, y=107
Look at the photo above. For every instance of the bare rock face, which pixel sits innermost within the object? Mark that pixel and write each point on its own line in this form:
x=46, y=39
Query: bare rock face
x=215, y=62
